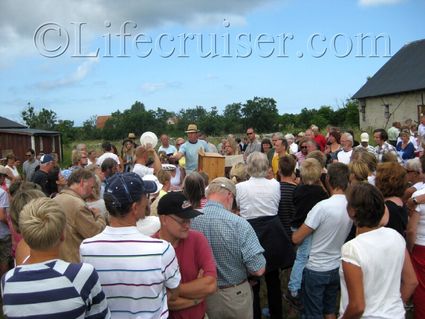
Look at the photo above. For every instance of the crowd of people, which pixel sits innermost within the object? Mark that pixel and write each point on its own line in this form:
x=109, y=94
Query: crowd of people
x=142, y=233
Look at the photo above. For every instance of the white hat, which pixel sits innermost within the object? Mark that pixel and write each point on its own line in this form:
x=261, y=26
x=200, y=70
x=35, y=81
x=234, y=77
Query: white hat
x=364, y=137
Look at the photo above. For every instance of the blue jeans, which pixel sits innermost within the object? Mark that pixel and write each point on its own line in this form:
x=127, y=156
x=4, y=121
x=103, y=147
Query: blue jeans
x=319, y=294
x=301, y=260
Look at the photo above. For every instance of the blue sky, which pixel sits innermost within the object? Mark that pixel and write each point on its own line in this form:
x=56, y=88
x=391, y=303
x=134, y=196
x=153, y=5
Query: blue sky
x=303, y=75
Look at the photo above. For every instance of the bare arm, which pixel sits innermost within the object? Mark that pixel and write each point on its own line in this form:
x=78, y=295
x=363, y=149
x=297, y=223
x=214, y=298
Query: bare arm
x=198, y=288
x=156, y=161
x=3, y=218
x=354, y=279
x=301, y=233
x=408, y=279
x=173, y=294
x=183, y=303
x=412, y=225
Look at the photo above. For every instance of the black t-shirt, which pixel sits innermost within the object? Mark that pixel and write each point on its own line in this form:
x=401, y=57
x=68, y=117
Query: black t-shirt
x=305, y=197
x=42, y=178
x=398, y=217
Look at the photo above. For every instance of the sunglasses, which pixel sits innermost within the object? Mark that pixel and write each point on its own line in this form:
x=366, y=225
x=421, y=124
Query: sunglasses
x=181, y=222
x=303, y=147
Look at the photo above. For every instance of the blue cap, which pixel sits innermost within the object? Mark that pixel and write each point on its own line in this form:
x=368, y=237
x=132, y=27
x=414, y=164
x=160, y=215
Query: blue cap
x=46, y=158
x=127, y=188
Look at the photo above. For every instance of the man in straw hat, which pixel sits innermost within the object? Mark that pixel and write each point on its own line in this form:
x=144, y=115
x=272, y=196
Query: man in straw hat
x=191, y=148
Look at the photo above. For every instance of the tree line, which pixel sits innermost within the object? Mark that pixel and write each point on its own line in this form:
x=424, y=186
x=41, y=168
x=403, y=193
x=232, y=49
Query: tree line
x=260, y=113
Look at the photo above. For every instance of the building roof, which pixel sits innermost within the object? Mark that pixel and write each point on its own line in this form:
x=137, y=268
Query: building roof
x=28, y=131
x=404, y=72
x=6, y=123
x=101, y=120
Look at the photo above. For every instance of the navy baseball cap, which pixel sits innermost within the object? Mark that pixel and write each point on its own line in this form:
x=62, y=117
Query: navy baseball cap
x=46, y=158
x=175, y=203
x=127, y=188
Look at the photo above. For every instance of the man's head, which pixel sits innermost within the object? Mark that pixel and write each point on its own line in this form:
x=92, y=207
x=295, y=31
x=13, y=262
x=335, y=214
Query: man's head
x=82, y=147
x=30, y=154
x=364, y=139
x=47, y=162
x=222, y=190
x=42, y=223
x=346, y=141
x=20, y=198
x=250, y=133
x=280, y=143
x=192, y=133
x=82, y=181
x=380, y=136
x=165, y=141
x=126, y=193
x=338, y=176
x=109, y=167
x=107, y=146
x=175, y=213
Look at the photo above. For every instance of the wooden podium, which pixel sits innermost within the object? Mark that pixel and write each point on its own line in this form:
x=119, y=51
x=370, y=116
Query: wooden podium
x=212, y=164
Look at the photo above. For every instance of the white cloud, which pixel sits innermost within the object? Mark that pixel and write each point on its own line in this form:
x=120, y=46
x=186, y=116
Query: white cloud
x=153, y=87
x=74, y=78
x=375, y=3
x=19, y=19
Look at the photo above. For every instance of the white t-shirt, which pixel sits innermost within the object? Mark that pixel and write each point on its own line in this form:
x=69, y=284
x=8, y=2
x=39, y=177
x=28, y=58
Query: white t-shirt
x=420, y=230
x=15, y=174
x=344, y=157
x=258, y=197
x=142, y=170
x=380, y=255
x=171, y=149
x=331, y=224
x=106, y=155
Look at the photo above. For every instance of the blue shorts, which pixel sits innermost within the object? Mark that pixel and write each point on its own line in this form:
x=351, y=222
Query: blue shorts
x=320, y=292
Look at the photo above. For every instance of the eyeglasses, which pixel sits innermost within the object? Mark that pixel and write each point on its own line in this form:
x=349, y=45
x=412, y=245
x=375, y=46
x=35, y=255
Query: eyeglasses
x=303, y=147
x=181, y=222
x=28, y=155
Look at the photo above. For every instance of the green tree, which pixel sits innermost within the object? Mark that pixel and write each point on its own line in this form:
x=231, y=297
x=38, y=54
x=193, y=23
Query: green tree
x=261, y=113
x=43, y=120
x=66, y=127
x=232, y=118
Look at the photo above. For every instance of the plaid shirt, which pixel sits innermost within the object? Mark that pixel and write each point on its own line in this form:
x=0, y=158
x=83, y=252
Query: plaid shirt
x=234, y=243
x=386, y=148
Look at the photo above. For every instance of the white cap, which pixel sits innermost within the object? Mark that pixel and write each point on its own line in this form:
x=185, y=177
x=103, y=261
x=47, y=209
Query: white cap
x=364, y=137
x=153, y=178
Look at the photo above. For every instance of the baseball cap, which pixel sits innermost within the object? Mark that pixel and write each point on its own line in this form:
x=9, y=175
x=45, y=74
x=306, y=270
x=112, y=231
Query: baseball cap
x=175, y=203
x=224, y=182
x=364, y=137
x=46, y=158
x=154, y=179
x=127, y=188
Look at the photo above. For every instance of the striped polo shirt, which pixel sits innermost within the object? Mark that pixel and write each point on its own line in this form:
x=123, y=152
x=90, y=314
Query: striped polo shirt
x=53, y=289
x=134, y=271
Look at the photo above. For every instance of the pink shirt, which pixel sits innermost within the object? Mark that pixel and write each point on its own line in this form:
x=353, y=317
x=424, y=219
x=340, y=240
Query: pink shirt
x=193, y=254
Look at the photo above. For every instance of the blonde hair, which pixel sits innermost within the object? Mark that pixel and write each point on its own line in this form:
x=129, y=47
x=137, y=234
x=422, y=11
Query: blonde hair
x=20, y=199
x=42, y=223
x=360, y=170
x=310, y=171
x=163, y=176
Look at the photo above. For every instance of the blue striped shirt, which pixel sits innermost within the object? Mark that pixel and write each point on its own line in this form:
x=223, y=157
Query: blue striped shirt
x=134, y=271
x=235, y=245
x=53, y=289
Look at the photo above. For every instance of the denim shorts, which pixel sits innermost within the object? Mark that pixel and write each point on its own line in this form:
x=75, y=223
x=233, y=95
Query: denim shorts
x=320, y=292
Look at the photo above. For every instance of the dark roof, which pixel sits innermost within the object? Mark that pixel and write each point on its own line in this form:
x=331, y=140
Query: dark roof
x=404, y=72
x=6, y=123
x=29, y=131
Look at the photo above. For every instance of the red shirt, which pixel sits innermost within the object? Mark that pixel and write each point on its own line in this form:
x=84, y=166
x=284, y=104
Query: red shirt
x=193, y=254
x=321, y=141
